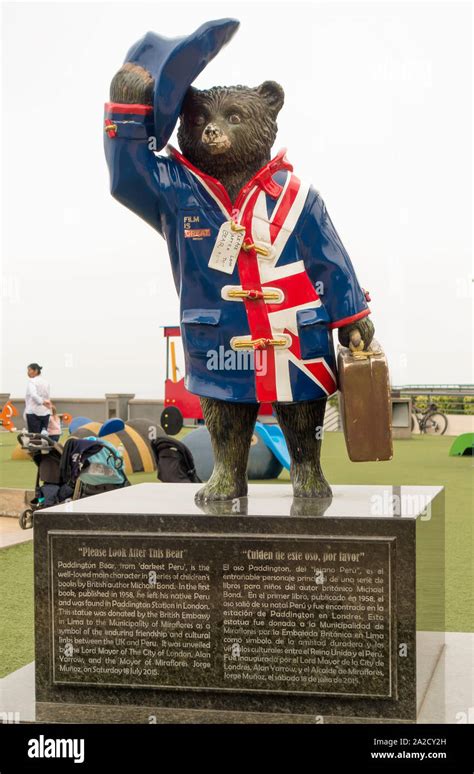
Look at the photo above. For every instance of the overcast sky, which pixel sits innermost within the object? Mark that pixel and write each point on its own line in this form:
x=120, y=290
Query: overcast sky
x=377, y=115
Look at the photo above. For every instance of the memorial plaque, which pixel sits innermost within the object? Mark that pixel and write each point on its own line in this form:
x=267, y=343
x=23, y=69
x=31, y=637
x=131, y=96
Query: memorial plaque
x=299, y=614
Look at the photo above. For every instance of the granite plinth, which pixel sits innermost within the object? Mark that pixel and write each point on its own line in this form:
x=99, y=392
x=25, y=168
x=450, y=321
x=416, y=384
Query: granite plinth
x=264, y=607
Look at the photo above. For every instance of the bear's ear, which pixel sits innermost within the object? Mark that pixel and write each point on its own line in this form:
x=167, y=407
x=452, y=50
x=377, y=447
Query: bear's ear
x=273, y=94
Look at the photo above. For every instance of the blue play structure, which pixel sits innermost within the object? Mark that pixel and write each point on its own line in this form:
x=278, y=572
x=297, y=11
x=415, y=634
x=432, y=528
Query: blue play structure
x=114, y=425
x=273, y=438
x=262, y=465
x=78, y=422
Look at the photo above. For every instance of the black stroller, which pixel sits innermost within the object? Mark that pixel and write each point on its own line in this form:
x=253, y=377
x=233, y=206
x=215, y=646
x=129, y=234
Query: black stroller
x=69, y=472
x=46, y=454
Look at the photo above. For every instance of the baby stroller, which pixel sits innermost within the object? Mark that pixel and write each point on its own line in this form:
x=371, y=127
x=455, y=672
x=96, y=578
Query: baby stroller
x=80, y=468
x=91, y=465
x=46, y=454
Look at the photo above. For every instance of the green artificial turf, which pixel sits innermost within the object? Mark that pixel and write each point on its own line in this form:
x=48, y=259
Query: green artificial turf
x=422, y=460
x=16, y=607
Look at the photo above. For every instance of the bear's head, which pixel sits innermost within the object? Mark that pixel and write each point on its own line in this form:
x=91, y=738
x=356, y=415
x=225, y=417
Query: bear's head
x=226, y=131
x=229, y=128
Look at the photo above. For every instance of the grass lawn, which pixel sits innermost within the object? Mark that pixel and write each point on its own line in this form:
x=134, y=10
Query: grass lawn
x=423, y=460
x=16, y=609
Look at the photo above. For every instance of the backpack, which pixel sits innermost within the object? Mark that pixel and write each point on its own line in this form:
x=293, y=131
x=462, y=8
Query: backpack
x=104, y=467
x=174, y=461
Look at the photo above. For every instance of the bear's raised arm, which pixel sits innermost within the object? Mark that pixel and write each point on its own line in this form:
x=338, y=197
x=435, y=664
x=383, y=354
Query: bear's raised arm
x=138, y=179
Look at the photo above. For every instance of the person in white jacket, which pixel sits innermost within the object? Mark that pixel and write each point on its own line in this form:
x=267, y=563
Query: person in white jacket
x=37, y=401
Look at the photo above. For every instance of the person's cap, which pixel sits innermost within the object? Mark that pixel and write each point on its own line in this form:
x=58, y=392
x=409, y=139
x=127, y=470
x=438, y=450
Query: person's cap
x=174, y=64
x=35, y=366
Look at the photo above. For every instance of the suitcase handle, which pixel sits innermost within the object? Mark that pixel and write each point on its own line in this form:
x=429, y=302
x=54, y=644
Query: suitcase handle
x=356, y=346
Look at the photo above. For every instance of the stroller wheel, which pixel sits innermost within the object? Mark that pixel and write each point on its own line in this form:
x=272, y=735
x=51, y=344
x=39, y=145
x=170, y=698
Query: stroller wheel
x=26, y=519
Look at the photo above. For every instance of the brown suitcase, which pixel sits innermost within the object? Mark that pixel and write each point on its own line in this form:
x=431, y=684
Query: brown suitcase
x=365, y=404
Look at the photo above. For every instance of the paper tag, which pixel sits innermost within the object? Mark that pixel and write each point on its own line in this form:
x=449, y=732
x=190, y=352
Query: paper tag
x=226, y=249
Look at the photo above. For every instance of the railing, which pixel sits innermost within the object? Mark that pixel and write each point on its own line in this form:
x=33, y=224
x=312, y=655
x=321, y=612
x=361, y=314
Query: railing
x=449, y=398
x=436, y=389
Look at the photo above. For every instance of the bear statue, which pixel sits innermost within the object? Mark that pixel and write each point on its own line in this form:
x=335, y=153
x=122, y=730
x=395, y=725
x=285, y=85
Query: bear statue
x=257, y=263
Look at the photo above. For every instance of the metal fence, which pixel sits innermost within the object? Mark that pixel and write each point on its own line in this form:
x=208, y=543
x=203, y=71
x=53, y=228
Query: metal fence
x=449, y=398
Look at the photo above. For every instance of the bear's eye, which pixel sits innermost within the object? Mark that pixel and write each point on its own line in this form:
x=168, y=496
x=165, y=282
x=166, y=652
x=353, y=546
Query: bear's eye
x=198, y=120
x=234, y=118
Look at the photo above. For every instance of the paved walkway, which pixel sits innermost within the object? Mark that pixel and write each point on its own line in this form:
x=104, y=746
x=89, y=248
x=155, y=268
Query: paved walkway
x=11, y=532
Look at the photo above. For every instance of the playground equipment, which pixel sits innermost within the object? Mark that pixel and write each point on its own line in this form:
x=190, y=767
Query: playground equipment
x=114, y=425
x=273, y=438
x=77, y=422
x=463, y=445
x=263, y=464
x=179, y=403
x=134, y=440
x=8, y=411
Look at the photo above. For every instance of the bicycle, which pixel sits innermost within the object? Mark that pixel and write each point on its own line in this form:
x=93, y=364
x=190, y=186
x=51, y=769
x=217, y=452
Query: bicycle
x=429, y=420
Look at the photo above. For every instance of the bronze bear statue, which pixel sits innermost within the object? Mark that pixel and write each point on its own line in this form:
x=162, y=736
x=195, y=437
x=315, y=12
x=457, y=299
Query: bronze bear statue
x=227, y=133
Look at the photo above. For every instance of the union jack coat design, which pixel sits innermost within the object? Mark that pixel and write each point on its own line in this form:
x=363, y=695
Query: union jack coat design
x=292, y=283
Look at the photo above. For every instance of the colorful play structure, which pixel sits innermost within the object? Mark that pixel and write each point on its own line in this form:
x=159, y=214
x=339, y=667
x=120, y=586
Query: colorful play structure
x=273, y=438
x=463, y=445
x=133, y=438
x=263, y=464
x=6, y=414
x=179, y=403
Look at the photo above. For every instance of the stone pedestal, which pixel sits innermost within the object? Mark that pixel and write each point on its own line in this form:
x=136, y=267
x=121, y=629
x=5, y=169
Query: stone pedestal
x=264, y=609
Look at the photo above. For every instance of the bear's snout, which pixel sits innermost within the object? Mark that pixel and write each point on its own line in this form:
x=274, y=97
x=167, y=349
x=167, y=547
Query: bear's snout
x=211, y=132
x=215, y=139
